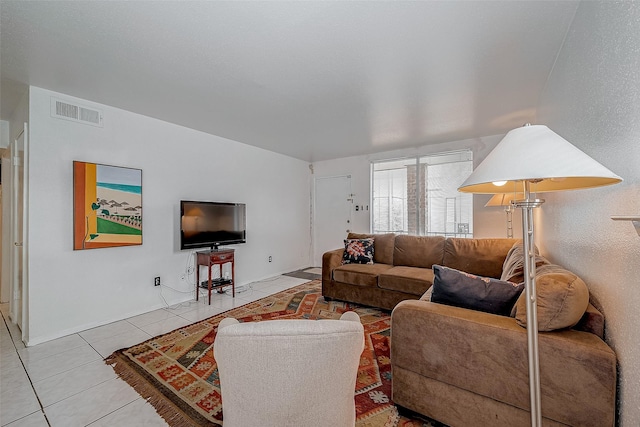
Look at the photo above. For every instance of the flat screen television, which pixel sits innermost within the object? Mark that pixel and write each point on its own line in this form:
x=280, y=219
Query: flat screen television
x=211, y=224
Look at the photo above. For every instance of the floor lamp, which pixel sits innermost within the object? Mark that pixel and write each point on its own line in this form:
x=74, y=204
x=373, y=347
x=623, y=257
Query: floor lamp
x=534, y=159
x=504, y=200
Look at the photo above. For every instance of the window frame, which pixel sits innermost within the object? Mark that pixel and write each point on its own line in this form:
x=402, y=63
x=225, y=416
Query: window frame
x=421, y=210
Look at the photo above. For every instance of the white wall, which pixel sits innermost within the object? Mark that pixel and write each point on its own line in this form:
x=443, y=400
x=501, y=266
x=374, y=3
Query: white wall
x=593, y=100
x=487, y=222
x=74, y=290
x=4, y=134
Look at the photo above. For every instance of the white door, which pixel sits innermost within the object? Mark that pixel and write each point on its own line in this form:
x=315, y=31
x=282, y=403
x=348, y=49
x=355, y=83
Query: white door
x=7, y=243
x=17, y=267
x=332, y=214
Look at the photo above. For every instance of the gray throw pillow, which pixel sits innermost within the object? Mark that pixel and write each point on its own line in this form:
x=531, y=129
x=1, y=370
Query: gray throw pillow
x=460, y=289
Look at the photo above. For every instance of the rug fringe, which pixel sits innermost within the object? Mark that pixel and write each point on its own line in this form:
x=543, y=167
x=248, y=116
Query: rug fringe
x=171, y=413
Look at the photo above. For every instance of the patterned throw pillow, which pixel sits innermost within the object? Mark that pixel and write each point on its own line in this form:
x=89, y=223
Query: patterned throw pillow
x=358, y=251
x=460, y=289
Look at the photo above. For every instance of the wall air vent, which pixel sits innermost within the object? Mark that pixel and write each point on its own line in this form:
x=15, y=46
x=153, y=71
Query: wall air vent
x=75, y=112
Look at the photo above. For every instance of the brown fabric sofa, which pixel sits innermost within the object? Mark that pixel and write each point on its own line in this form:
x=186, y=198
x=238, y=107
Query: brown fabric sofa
x=464, y=367
x=402, y=266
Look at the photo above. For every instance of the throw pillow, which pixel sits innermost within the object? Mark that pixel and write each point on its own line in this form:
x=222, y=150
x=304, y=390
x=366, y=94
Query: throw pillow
x=427, y=295
x=383, y=245
x=562, y=299
x=460, y=289
x=513, y=267
x=358, y=251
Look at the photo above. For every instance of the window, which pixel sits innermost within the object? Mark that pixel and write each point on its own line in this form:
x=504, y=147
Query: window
x=420, y=195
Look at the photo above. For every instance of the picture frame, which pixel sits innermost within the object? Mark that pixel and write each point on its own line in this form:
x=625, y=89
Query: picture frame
x=107, y=206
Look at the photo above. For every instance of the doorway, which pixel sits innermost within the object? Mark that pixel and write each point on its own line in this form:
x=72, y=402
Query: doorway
x=5, y=289
x=332, y=214
x=14, y=232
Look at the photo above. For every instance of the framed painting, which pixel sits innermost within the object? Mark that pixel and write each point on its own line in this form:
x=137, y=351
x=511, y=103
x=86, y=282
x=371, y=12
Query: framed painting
x=107, y=206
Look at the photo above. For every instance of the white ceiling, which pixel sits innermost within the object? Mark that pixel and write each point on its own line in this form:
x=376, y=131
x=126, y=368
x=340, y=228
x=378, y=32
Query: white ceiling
x=312, y=80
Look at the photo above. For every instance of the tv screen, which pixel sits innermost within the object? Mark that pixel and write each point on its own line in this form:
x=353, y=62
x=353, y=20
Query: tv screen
x=211, y=224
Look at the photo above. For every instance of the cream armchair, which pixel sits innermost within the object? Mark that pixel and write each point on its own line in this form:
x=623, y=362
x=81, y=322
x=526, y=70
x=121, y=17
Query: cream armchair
x=289, y=372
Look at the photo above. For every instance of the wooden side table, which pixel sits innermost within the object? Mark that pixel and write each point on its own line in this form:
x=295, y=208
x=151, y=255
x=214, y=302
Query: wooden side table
x=210, y=258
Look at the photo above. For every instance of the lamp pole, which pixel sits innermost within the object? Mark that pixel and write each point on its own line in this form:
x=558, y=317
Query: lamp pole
x=535, y=155
x=509, y=212
x=527, y=206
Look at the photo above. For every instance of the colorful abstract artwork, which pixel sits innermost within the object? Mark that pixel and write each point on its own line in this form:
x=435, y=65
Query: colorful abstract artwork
x=107, y=206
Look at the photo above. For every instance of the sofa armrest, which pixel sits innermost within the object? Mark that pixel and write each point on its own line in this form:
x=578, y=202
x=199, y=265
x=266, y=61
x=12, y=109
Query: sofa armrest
x=487, y=355
x=331, y=260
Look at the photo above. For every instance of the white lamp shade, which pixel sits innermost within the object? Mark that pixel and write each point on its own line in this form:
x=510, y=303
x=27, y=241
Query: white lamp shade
x=540, y=156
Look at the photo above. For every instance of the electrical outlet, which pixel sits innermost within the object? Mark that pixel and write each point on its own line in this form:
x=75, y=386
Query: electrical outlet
x=270, y=258
x=156, y=281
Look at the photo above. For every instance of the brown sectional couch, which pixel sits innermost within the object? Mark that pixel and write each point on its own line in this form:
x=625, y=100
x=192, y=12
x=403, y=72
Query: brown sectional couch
x=402, y=267
x=469, y=368
x=464, y=367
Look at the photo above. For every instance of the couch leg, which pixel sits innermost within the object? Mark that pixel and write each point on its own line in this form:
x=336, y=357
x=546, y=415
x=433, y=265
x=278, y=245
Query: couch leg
x=327, y=298
x=405, y=412
x=408, y=413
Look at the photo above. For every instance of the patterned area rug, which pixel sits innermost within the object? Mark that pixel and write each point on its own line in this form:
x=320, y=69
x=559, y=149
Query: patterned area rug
x=177, y=373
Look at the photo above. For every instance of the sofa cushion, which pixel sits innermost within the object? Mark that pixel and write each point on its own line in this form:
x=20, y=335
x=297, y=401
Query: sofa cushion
x=562, y=299
x=359, y=274
x=591, y=321
x=382, y=245
x=483, y=257
x=410, y=280
x=418, y=251
x=358, y=251
x=460, y=289
x=513, y=267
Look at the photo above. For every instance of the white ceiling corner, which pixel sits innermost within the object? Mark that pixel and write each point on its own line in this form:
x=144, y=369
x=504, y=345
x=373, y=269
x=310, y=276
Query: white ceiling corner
x=313, y=80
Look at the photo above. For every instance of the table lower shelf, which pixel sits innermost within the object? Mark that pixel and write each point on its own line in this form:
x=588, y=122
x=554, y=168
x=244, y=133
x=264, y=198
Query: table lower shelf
x=217, y=286
x=216, y=283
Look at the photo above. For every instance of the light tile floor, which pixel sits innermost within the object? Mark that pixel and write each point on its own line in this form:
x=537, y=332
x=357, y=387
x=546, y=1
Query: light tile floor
x=66, y=383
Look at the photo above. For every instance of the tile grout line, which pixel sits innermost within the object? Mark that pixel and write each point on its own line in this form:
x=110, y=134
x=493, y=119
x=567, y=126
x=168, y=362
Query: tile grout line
x=249, y=287
x=114, y=411
x=82, y=391
x=52, y=354
x=28, y=377
x=67, y=370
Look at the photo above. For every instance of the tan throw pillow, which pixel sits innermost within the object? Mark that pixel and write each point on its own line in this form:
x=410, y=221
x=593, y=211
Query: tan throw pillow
x=427, y=295
x=562, y=299
x=513, y=267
